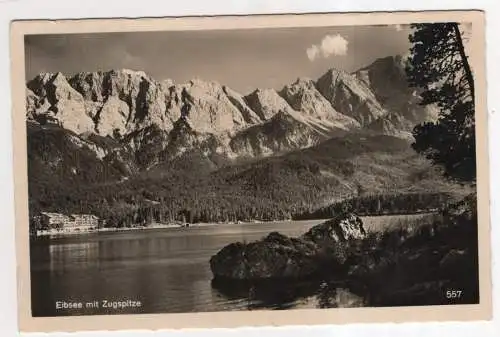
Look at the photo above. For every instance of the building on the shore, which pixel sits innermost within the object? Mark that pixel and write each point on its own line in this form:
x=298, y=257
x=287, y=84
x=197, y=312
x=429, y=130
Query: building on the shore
x=50, y=221
x=83, y=222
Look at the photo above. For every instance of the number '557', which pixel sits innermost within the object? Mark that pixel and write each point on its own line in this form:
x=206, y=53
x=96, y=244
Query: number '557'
x=453, y=293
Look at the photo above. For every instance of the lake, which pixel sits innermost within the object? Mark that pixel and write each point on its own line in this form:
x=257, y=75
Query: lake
x=166, y=270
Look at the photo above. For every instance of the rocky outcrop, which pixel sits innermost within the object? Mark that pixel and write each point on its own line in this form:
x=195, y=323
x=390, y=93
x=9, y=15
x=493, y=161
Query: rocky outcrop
x=275, y=256
x=280, y=257
x=339, y=229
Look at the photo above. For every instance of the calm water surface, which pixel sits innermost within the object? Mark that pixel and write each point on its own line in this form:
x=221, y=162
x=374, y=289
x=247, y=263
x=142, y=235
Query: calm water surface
x=167, y=270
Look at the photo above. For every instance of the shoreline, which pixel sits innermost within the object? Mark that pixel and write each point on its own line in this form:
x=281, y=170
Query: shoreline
x=117, y=229
x=195, y=225
x=154, y=226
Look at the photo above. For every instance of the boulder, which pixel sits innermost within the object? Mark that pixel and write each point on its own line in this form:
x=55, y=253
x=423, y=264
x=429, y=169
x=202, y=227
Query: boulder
x=277, y=256
x=342, y=228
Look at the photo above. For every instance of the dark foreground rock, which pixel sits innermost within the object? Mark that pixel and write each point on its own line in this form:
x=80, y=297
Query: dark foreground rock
x=321, y=249
x=423, y=267
x=275, y=256
x=421, y=264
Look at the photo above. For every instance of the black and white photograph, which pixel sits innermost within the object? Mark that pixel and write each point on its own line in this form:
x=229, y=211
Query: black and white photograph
x=251, y=169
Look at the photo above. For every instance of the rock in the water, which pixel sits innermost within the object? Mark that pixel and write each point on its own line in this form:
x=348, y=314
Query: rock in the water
x=339, y=229
x=278, y=256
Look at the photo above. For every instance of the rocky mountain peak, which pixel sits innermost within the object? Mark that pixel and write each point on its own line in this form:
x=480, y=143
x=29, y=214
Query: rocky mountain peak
x=303, y=96
x=167, y=83
x=132, y=72
x=212, y=107
x=304, y=82
x=387, y=79
x=56, y=101
x=350, y=95
x=155, y=119
x=249, y=116
x=47, y=82
x=58, y=78
x=390, y=67
x=266, y=103
x=198, y=86
x=44, y=77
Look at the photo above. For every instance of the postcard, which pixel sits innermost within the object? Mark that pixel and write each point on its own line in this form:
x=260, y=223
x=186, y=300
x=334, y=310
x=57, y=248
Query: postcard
x=201, y=172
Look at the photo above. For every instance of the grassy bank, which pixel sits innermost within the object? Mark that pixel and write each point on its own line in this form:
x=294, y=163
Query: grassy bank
x=433, y=261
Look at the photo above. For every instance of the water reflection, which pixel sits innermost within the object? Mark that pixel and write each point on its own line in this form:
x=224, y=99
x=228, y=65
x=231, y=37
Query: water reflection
x=288, y=294
x=73, y=255
x=167, y=270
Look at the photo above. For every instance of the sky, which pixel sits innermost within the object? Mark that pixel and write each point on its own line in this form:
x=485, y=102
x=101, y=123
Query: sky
x=243, y=59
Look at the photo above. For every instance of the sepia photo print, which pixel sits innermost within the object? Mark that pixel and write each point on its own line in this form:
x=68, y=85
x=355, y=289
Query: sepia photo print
x=253, y=168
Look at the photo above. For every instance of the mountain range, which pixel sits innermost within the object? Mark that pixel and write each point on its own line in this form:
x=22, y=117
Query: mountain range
x=119, y=127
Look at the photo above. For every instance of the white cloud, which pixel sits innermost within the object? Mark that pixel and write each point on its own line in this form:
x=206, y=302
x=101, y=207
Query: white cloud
x=312, y=52
x=330, y=45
